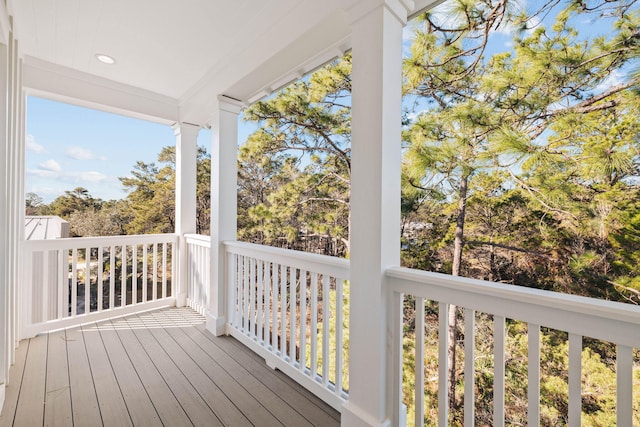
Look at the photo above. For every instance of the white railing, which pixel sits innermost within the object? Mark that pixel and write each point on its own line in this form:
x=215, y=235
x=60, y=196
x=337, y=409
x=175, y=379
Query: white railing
x=579, y=317
x=292, y=308
x=78, y=280
x=198, y=271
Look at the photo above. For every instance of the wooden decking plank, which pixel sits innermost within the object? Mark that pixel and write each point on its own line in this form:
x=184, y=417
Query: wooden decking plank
x=300, y=400
x=57, y=404
x=134, y=371
x=216, y=370
x=12, y=389
x=140, y=407
x=30, y=410
x=206, y=353
x=293, y=383
x=205, y=403
x=112, y=405
x=166, y=404
x=84, y=401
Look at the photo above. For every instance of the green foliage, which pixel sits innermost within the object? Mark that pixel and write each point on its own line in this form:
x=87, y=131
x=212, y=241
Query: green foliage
x=294, y=170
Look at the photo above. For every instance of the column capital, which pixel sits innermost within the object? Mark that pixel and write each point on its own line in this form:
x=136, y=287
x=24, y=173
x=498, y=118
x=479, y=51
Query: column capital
x=229, y=104
x=181, y=128
x=399, y=8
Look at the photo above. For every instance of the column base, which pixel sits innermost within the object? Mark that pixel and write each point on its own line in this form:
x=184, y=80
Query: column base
x=2, y=394
x=216, y=325
x=354, y=416
x=181, y=299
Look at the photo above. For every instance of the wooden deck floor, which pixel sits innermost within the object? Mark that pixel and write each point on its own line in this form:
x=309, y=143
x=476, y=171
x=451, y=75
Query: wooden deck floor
x=151, y=369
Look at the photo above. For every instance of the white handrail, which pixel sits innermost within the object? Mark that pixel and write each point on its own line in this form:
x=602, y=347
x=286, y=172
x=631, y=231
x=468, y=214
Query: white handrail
x=290, y=307
x=62, y=290
x=613, y=322
x=198, y=249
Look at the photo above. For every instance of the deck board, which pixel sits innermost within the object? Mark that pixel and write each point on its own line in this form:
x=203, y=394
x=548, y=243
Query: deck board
x=110, y=397
x=57, y=405
x=155, y=368
x=28, y=412
x=84, y=401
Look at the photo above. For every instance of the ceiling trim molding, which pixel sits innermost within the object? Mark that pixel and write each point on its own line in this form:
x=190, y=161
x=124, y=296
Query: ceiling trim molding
x=5, y=23
x=422, y=6
x=42, y=78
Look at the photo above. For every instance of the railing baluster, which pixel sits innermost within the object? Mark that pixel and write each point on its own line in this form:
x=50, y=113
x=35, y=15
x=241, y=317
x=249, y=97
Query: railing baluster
x=283, y=310
x=314, y=328
x=46, y=283
x=339, y=308
x=624, y=385
x=533, y=395
x=443, y=364
x=87, y=280
x=499, y=370
x=396, y=324
x=252, y=297
x=74, y=282
x=154, y=291
x=326, y=316
x=63, y=283
x=123, y=286
x=575, y=379
x=266, y=281
x=112, y=276
x=303, y=318
x=469, y=366
x=419, y=362
x=274, y=307
x=134, y=274
x=100, y=284
x=164, y=273
x=145, y=267
x=233, y=289
x=259, y=300
x=245, y=294
x=293, y=313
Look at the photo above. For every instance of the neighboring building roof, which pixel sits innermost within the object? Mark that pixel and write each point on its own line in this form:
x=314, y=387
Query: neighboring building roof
x=45, y=227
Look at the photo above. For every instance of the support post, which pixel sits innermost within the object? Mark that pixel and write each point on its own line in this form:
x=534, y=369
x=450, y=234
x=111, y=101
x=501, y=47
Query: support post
x=5, y=344
x=186, y=179
x=224, y=201
x=375, y=204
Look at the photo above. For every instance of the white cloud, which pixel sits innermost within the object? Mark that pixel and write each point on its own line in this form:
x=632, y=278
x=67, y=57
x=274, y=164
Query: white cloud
x=79, y=153
x=50, y=165
x=33, y=146
x=91, y=176
x=80, y=177
x=614, y=79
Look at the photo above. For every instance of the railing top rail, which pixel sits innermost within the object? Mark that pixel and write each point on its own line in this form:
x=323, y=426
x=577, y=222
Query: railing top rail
x=101, y=241
x=198, y=239
x=607, y=320
x=337, y=267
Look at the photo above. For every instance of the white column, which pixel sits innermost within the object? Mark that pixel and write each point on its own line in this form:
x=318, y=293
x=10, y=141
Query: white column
x=186, y=173
x=5, y=322
x=224, y=201
x=375, y=203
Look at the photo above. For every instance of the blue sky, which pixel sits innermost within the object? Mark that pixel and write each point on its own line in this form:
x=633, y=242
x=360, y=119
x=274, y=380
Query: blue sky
x=70, y=146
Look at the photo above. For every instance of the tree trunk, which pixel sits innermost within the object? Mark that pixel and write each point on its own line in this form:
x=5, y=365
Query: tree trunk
x=458, y=244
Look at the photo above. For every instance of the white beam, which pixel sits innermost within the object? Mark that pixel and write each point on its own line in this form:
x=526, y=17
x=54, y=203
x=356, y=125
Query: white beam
x=42, y=78
x=186, y=179
x=224, y=196
x=5, y=24
x=375, y=204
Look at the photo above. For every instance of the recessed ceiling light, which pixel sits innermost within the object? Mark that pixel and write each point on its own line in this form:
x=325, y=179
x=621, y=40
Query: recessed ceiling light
x=106, y=59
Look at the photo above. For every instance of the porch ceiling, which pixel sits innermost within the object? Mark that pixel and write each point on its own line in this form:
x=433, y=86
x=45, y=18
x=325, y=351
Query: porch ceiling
x=174, y=58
